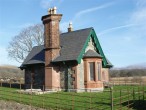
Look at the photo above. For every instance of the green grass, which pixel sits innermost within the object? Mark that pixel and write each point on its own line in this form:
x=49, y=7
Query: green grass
x=75, y=101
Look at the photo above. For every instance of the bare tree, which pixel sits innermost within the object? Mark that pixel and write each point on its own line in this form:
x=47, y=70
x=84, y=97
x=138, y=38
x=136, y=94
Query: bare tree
x=23, y=43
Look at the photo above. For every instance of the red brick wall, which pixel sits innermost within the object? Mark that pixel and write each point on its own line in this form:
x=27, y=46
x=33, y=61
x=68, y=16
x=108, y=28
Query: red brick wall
x=52, y=49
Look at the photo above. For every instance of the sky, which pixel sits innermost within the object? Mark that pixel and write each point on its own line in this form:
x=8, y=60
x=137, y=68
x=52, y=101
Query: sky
x=120, y=25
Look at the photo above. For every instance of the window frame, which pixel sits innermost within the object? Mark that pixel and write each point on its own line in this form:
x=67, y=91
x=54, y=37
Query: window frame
x=99, y=71
x=94, y=72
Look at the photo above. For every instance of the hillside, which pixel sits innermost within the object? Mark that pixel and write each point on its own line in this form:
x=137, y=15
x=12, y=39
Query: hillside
x=9, y=71
x=127, y=72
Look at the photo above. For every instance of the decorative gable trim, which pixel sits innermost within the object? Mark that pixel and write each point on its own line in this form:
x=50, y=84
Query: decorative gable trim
x=98, y=47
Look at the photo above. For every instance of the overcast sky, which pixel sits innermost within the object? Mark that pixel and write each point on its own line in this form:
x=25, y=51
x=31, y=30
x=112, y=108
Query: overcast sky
x=119, y=24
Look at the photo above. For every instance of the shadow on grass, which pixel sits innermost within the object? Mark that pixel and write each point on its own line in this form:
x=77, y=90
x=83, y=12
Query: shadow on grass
x=137, y=104
x=15, y=85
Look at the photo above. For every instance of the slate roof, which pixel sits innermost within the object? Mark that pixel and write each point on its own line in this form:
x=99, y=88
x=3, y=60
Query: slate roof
x=109, y=63
x=36, y=56
x=92, y=54
x=72, y=44
x=71, y=47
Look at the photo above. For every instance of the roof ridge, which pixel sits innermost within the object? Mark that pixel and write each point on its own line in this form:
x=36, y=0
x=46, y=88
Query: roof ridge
x=77, y=30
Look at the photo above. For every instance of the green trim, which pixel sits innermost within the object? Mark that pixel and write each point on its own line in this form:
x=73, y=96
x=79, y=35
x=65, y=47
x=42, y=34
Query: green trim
x=83, y=49
x=98, y=46
x=93, y=35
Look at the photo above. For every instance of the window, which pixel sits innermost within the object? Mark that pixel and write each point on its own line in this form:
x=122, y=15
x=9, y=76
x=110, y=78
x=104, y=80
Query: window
x=99, y=70
x=103, y=76
x=92, y=71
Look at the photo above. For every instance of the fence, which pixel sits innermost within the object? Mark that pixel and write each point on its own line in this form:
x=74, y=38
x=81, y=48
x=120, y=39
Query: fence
x=136, y=80
x=130, y=98
x=117, y=98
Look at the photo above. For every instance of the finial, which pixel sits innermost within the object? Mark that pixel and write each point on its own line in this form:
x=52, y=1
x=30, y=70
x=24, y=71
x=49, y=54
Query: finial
x=70, y=24
x=49, y=11
x=70, y=28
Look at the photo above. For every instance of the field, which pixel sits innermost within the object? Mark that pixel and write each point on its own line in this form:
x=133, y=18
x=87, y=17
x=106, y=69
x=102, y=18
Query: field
x=120, y=97
x=128, y=80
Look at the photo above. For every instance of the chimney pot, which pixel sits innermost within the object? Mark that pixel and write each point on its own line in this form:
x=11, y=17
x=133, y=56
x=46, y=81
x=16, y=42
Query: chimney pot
x=55, y=10
x=49, y=11
x=70, y=28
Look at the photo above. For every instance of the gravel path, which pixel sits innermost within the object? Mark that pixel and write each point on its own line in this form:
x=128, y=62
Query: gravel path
x=7, y=105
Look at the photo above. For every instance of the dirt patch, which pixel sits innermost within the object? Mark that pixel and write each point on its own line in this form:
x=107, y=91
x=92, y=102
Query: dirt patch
x=8, y=105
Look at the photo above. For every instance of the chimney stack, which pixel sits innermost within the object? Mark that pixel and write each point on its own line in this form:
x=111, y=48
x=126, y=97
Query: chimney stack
x=51, y=44
x=51, y=29
x=70, y=28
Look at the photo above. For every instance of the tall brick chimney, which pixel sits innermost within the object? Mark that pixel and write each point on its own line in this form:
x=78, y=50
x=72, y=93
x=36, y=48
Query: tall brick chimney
x=52, y=45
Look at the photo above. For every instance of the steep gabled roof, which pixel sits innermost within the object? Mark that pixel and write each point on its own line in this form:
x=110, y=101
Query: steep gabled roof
x=98, y=47
x=73, y=45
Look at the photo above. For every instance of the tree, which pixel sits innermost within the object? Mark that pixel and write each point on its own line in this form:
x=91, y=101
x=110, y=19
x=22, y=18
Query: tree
x=23, y=43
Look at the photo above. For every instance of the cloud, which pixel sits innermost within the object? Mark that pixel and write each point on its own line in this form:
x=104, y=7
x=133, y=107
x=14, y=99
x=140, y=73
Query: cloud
x=139, y=17
x=50, y=3
x=135, y=23
x=115, y=28
x=141, y=3
x=25, y=25
x=46, y=3
x=89, y=10
x=64, y=25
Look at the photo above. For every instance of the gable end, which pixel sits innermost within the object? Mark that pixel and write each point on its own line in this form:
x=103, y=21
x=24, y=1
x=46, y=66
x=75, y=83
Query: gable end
x=98, y=47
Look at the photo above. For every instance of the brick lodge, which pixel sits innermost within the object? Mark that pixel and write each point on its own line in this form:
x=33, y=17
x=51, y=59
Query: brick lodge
x=71, y=60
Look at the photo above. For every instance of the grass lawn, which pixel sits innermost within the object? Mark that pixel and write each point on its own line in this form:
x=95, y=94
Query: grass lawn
x=76, y=101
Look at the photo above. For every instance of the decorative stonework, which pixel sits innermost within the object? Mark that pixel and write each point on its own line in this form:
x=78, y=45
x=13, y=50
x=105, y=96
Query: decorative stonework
x=34, y=77
x=80, y=69
x=91, y=46
x=66, y=79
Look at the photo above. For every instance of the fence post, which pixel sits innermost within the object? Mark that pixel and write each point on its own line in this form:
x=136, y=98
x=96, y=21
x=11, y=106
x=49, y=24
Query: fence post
x=90, y=100
x=43, y=95
x=143, y=93
x=111, y=93
x=31, y=97
x=0, y=89
x=10, y=84
x=58, y=98
x=128, y=99
x=20, y=93
x=72, y=101
x=120, y=99
x=138, y=94
x=133, y=96
x=1, y=84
